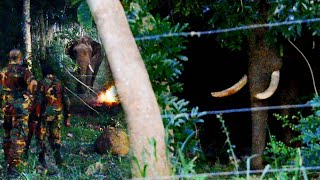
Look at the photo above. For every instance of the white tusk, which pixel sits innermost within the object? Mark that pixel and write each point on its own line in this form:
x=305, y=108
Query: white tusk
x=275, y=77
x=91, y=68
x=233, y=89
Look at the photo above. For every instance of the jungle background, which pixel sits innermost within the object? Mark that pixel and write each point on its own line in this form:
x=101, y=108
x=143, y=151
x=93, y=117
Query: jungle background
x=184, y=70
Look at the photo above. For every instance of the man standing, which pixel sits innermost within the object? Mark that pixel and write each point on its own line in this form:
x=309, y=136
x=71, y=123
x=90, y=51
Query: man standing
x=54, y=109
x=18, y=84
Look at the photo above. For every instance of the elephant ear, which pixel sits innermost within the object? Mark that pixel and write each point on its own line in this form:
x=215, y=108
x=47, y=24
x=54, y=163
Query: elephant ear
x=96, y=48
x=69, y=49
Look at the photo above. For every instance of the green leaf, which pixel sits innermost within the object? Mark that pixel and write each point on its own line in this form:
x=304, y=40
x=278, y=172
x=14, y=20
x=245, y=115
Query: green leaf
x=183, y=58
x=84, y=16
x=74, y=2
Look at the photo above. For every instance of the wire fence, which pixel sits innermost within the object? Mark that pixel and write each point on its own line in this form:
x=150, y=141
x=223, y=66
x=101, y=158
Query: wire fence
x=237, y=173
x=253, y=26
x=252, y=109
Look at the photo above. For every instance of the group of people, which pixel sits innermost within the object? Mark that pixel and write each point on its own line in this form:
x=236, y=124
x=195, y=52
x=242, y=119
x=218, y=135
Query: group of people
x=31, y=107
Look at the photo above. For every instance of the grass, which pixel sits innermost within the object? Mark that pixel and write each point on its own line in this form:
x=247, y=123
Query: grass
x=78, y=153
x=83, y=163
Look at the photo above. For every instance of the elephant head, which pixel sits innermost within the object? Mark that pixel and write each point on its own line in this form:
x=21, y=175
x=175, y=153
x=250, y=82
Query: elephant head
x=263, y=79
x=88, y=55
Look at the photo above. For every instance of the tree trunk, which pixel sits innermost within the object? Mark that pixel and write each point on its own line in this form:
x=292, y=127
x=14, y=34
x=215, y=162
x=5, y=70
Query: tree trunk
x=134, y=88
x=43, y=37
x=26, y=30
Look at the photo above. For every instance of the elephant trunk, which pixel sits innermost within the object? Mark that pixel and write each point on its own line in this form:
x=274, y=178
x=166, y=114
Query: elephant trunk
x=233, y=89
x=275, y=77
x=83, y=62
x=258, y=139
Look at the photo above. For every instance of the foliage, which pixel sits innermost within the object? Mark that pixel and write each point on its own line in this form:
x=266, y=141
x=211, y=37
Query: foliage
x=227, y=14
x=181, y=126
x=84, y=16
x=285, y=157
x=286, y=11
x=230, y=151
x=280, y=155
x=233, y=14
x=10, y=29
x=163, y=61
x=181, y=10
x=61, y=63
x=162, y=57
x=309, y=127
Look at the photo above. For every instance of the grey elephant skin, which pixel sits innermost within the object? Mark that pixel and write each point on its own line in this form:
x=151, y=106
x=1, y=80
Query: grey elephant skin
x=87, y=54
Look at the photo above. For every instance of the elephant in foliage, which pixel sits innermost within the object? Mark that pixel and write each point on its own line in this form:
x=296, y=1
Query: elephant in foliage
x=263, y=79
x=266, y=88
x=88, y=56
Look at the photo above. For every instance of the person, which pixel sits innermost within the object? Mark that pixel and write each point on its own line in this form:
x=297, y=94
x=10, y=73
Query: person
x=34, y=118
x=18, y=84
x=55, y=106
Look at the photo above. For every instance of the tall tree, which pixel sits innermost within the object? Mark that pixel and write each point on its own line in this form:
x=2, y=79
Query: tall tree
x=26, y=30
x=145, y=125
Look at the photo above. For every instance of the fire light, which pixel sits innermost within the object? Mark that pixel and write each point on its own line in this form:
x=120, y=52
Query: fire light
x=109, y=97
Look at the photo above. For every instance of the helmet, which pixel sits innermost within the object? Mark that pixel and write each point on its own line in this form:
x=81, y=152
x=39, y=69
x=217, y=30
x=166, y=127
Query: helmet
x=15, y=54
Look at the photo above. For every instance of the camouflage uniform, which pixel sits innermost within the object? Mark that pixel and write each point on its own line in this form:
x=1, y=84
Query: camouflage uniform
x=16, y=100
x=54, y=108
x=34, y=117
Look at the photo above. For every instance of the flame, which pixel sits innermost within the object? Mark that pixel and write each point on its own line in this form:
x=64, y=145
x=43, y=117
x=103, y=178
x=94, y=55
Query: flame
x=109, y=97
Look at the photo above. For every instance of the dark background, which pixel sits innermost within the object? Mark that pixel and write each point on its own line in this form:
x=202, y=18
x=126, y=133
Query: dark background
x=212, y=68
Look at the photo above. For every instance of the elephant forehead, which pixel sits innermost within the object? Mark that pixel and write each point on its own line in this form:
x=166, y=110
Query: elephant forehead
x=83, y=47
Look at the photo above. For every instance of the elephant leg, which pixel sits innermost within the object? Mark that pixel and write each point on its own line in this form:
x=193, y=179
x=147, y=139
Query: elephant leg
x=82, y=78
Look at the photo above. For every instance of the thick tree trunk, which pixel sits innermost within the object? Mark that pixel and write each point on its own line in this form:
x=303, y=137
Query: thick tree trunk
x=26, y=30
x=134, y=88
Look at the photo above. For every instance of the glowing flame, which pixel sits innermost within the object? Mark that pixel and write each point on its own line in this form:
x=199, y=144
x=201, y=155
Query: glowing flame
x=109, y=97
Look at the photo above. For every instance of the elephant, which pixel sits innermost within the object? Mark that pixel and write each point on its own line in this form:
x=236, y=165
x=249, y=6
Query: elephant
x=264, y=64
x=88, y=56
x=266, y=88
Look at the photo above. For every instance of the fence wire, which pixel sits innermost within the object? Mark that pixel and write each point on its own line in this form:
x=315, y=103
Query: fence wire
x=251, y=109
x=235, y=173
x=253, y=26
